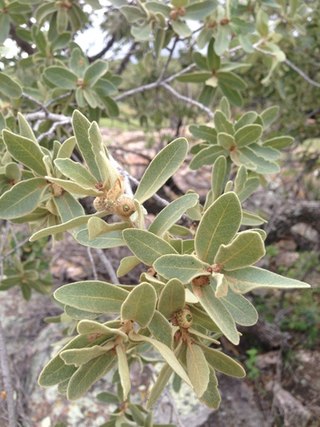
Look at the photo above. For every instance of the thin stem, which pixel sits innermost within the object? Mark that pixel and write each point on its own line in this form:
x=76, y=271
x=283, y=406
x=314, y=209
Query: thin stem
x=93, y=265
x=52, y=129
x=166, y=65
x=108, y=266
x=301, y=73
x=4, y=362
x=188, y=100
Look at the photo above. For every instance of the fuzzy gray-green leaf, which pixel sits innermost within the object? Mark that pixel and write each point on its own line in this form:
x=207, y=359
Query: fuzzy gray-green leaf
x=172, y=298
x=182, y=267
x=197, y=368
x=93, y=296
x=242, y=311
x=25, y=151
x=217, y=311
x=22, y=198
x=88, y=374
x=247, y=279
x=140, y=304
x=162, y=167
x=218, y=226
x=172, y=213
x=165, y=352
x=223, y=363
x=146, y=246
x=244, y=250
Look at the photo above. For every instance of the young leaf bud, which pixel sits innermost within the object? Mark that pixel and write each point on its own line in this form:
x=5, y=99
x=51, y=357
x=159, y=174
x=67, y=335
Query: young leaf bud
x=184, y=318
x=124, y=206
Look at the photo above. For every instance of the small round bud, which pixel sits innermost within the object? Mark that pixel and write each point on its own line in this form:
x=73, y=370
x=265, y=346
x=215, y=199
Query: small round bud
x=184, y=318
x=99, y=204
x=56, y=190
x=124, y=206
x=201, y=281
x=174, y=14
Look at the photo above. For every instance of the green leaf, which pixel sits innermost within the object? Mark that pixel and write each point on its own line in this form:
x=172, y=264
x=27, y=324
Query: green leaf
x=98, y=227
x=218, y=226
x=141, y=32
x=244, y=250
x=222, y=41
x=113, y=239
x=181, y=28
x=278, y=142
x=88, y=374
x=158, y=7
x=262, y=23
x=246, y=119
x=165, y=352
x=81, y=128
x=225, y=107
x=111, y=106
x=56, y=371
x=267, y=153
x=66, y=149
x=200, y=10
x=211, y=396
x=127, y=264
x=207, y=156
x=218, y=177
x=182, y=267
x=197, y=368
x=172, y=213
x=89, y=327
x=172, y=298
x=226, y=141
x=146, y=246
x=161, y=168
x=231, y=80
x=25, y=151
x=25, y=128
x=242, y=311
x=61, y=77
x=133, y=13
x=76, y=172
x=260, y=165
x=124, y=372
x=249, y=187
x=233, y=95
x=22, y=198
x=13, y=171
x=93, y=296
x=80, y=356
x=8, y=87
x=195, y=77
x=4, y=27
x=204, y=132
x=68, y=207
x=140, y=304
x=161, y=329
x=200, y=61
x=248, y=135
x=223, y=363
x=252, y=219
x=60, y=228
x=159, y=385
x=107, y=397
x=74, y=188
x=269, y=115
x=217, y=311
x=247, y=279
x=222, y=124
x=94, y=72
